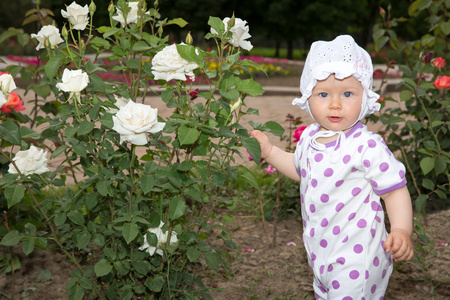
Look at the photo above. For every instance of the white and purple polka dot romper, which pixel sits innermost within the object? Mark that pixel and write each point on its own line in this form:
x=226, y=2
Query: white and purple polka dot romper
x=343, y=220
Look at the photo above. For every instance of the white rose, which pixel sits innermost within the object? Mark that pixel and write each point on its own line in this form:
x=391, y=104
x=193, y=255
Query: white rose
x=77, y=15
x=162, y=239
x=168, y=64
x=132, y=15
x=49, y=32
x=239, y=33
x=7, y=83
x=235, y=104
x=31, y=161
x=2, y=99
x=133, y=120
x=73, y=81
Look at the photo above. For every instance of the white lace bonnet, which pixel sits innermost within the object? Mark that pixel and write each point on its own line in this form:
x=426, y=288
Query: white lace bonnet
x=342, y=57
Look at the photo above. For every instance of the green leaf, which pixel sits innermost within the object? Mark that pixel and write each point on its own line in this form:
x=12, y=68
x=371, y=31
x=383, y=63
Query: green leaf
x=253, y=147
x=405, y=95
x=381, y=42
x=28, y=133
x=427, y=164
x=14, y=194
x=216, y=24
x=130, y=231
x=440, y=165
x=177, y=208
x=188, y=53
x=133, y=63
x=11, y=238
x=76, y=217
x=155, y=284
x=187, y=136
x=250, y=87
x=193, y=254
x=246, y=62
x=274, y=128
x=212, y=260
x=52, y=66
x=9, y=132
x=445, y=27
x=147, y=183
x=82, y=239
x=141, y=46
x=60, y=219
x=177, y=21
x=420, y=202
x=230, y=94
x=394, y=119
x=99, y=42
x=28, y=245
x=428, y=184
x=76, y=292
x=248, y=176
x=85, y=127
x=102, y=268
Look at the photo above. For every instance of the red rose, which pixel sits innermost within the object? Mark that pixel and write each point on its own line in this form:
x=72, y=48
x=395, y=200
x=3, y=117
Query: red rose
x=439, y=62
x=14, y=103
x=297, y=133
x=193, y=94
x=442, y=82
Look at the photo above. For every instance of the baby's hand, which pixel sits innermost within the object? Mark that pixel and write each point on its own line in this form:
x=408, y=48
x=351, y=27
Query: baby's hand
x=266, y=145
x=399, y=244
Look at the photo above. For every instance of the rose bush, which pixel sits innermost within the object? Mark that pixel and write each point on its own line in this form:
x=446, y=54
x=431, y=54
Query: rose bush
x=27, y=162
x=98, y=202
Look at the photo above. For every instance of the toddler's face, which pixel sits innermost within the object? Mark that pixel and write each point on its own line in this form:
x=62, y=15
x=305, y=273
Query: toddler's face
x=336, y=103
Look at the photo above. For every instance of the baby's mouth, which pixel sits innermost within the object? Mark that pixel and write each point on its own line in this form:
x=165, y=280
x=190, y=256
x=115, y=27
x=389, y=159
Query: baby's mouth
x=334, y=119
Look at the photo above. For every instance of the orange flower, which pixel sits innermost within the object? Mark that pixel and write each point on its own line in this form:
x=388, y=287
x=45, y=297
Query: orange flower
x=442, y=82
x=14, y=103
x=439, y=62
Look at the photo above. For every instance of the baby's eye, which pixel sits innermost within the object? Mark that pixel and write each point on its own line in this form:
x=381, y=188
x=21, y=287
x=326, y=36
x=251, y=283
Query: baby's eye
x=347, y=94
x=323, y=94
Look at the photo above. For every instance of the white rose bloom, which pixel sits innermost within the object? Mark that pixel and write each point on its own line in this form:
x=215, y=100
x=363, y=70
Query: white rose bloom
x=77, y=15
x=168, y=64
x=133, y=120
x=162, y=239
x=31, y=161
x=132, y=15
x=49, y=32
x=73, y=81
x=235, y=104
x=2, y=99
x=239, y=33
x=7, y=83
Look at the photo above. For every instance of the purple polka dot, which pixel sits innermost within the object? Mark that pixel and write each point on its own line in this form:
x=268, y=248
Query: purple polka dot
x=358, y=248
x=377, y=218
x=311, y=133
x=346, y=159
x=374, y=184
x=330, y=268
x=304, y=223
x=339, y=206
x=324, y=198
x=402, y=174
x=335, y=284
x=347, y=298
x=303, y=173
x=352, y=216
x=354, y=274
x=313, y=256
x=382, y=245
x=372, y=232
x=384, y=167
x=376, y=261
x=354, y=170
x=388, y=151
x=324, y=222
x=314, y=183
x=322, y=269
x=367, y=199
x=356, y=191
x=311, y=232
x=376, y=206
x=374, y=288
x=362, y=223
x=340, y=260
x=301, y=141
x=360, y=148
x=312, y=208
x=339, y=183
x=366, y=163
x=328, y=172
x=371, y=143
x=367, y=274
x=336, y=230
x=323, y=243
x=358, y=134
x=345, y=240
x=318, y=157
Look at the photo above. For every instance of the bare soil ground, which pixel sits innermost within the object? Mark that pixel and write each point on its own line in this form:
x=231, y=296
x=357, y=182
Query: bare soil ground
x=279, y=272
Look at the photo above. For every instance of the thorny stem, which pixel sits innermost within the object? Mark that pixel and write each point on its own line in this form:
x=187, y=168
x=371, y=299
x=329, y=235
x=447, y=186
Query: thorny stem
x=277, y=203
x=263, y=220
x=11, y=254
x=409, y=169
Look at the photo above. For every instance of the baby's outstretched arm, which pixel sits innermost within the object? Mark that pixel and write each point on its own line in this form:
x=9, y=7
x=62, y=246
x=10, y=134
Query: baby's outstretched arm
x=281, y=160
x=399, y=210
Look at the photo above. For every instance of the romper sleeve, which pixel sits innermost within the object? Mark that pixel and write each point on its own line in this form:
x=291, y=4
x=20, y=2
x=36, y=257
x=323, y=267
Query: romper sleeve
x=381, y=169
x=302, y=146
